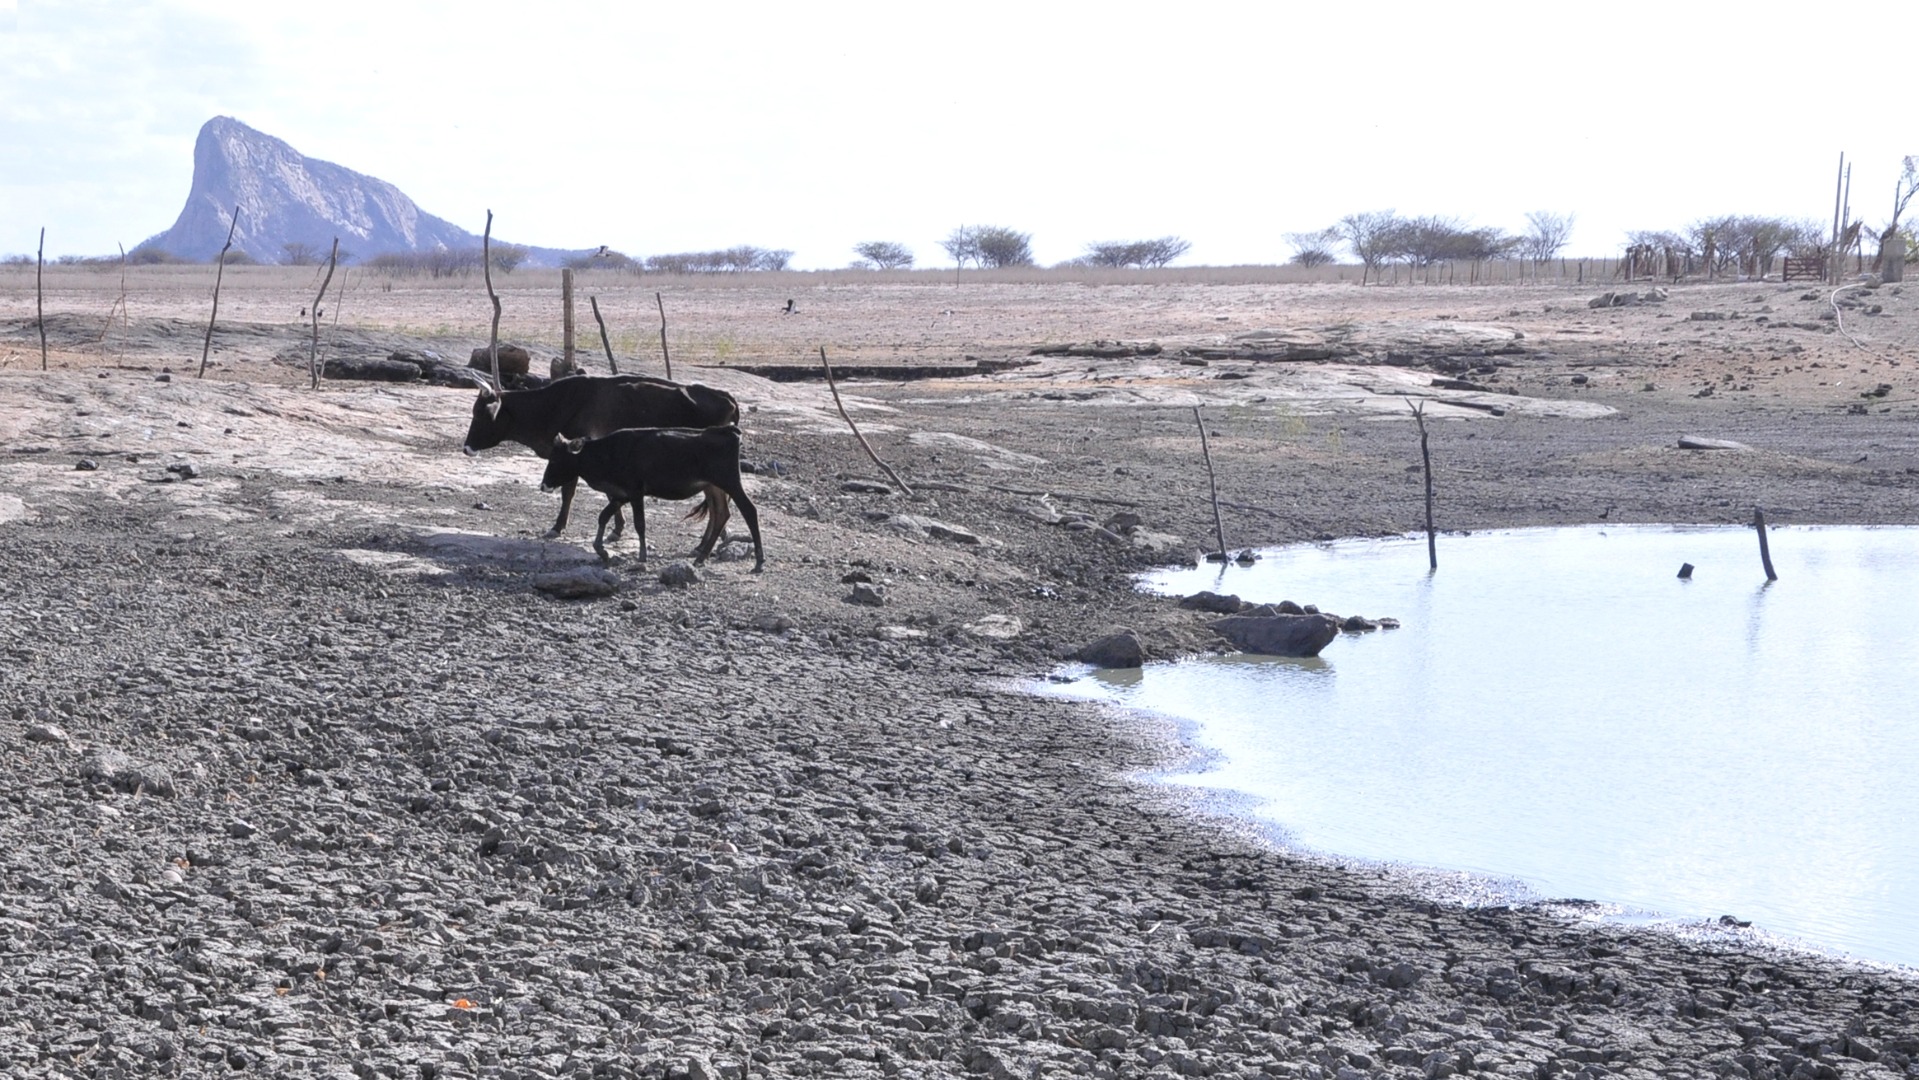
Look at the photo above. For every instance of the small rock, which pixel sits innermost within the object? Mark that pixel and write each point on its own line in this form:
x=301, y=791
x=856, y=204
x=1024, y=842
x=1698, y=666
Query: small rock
x=240, y=830
x=679, y=575
x=939, y=530
x=185, y=470
x=163, y=377
x=1121, y=650
x=1695, y=442
x=867, y=593
x=855, y=577
x=44, y=733
x=865, y=487
x=995, y=627
x=1123, y=522
x=120, y=772
x=1214, y=602
x=86, y=464
x=579, y=581
x=1358, y=624
x=1158, y=543
x=773, y=624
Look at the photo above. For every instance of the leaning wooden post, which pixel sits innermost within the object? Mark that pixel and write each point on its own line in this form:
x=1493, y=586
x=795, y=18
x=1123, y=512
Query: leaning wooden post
x=39, y=304
x=1426, y=459
x=207, y=346
x=1765, y=550
x=1219, y=523
x=566, y=318
x=486, y=268
x=604, y=343
x=884, y=467
x=313, y=346
x=664, y=355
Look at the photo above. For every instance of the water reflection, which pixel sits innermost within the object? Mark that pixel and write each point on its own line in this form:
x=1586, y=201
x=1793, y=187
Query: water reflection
x=1561, y=708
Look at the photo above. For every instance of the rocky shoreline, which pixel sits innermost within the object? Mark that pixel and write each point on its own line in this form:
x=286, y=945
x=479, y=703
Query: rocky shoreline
x=305, y=777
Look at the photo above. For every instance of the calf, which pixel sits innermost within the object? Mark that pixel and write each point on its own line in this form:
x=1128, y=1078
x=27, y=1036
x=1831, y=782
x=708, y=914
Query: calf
x=666, y=463
x=588, y=407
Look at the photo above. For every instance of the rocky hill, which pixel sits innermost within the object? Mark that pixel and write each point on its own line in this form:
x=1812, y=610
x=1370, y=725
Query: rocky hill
x=286, y=197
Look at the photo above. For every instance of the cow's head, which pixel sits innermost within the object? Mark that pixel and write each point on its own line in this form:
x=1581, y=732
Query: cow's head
x=563, y=464
x=486, y=430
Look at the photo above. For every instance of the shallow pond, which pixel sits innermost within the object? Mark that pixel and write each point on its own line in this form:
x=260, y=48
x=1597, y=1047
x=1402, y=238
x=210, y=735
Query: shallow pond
x=1561, y=709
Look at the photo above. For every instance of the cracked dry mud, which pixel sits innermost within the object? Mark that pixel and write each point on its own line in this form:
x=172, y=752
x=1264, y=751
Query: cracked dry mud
x=303, y=776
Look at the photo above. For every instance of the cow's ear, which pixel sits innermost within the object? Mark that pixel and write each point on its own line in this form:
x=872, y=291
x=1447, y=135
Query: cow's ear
x=559, y=441
x=574, y=446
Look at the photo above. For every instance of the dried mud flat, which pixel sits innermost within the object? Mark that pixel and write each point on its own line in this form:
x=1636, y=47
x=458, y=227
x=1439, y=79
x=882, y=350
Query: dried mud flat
x=306, y=775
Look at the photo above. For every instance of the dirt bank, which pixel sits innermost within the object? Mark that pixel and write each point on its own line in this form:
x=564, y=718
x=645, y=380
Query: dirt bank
x=307, y=776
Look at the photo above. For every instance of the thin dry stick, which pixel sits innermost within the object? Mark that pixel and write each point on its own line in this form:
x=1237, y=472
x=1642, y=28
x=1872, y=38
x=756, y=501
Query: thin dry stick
x=126, y=317
x=663, y=353
x=39, y=304
x=566, y=318
x=339, y=295
x=1765, y=551
x=313, y=348
x=884, y=467
x=486, y=265
x=1426, y=457
x=1219, y=523
x=207, y=346
x=604, y=343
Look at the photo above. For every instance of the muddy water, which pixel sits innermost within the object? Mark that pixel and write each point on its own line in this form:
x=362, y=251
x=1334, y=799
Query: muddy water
x=1560, y=709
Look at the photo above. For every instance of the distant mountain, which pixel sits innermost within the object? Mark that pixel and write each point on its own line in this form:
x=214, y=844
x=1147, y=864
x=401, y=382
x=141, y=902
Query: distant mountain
x=286, y=197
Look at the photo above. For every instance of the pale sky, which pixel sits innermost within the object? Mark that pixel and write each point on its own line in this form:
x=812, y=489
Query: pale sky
x=658, y=128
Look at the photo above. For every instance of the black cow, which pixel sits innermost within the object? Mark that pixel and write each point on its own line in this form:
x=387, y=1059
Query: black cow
x=583, y=406
x=665, y=463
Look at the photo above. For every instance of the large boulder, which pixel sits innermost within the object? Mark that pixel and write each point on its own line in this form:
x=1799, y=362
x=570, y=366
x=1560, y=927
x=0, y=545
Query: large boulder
x=370, y=368
x=513, y=360
x=1278, y=635
x=1121, y=650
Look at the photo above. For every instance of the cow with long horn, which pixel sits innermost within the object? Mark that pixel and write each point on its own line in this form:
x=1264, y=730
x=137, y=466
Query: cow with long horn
x=584, y=406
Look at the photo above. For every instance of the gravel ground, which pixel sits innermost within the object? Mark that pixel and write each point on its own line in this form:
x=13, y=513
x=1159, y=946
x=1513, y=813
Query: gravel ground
x=309, y=771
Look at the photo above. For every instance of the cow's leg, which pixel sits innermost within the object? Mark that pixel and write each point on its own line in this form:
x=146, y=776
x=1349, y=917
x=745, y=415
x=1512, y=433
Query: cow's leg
x=566, y=504
x=717, y=512
x=599, y=545
x=752, y=517
x=639, y=521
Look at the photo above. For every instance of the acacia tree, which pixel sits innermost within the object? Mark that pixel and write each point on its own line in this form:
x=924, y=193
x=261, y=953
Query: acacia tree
x=1546, y=234
x=1313, y=248
x=1000, y=246
x=883, y=255
x=962, y=245
x=1142, y=253
x=1374, y=237
x=989, y=246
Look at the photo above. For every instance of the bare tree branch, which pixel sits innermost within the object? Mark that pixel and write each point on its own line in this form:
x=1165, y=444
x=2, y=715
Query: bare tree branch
x=219, y=273
x=868, y=447
x=313, y=347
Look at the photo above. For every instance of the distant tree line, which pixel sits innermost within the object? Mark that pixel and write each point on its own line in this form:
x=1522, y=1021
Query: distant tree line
x=448, y=262
x=734, y=260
